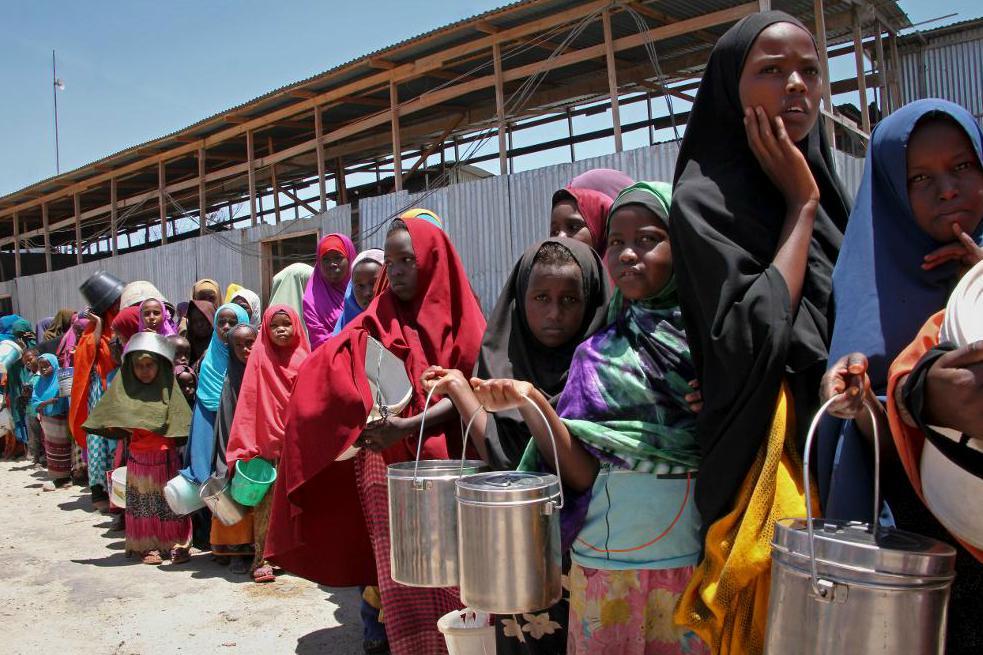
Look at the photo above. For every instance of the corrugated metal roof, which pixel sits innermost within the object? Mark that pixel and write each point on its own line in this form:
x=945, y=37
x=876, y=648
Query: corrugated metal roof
x=429, y=42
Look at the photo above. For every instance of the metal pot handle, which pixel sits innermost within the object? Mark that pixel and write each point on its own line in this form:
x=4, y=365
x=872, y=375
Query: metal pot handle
x=419, y=443
x=556, y=454
x=819, y=590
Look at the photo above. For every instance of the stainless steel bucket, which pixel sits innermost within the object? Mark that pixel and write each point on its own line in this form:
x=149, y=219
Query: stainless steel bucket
x=848, y=587
x=215, y=494
x=423, y=521
x=509, y=525
x=510, y=541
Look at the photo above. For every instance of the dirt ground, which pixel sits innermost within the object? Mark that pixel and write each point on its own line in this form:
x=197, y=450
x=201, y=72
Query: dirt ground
x=68, y=588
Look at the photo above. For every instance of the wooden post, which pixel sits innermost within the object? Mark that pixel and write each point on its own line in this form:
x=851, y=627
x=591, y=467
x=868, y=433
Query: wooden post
x=397, y=148
x=508, y=131
x=500, y=108
x=764, y=5
x=113, y=228
x=47, y=237
x=202, y=199
x=251, y=168
x=161, y=185
x=16, y=245
x=858, y=52
x=341, y=198
x=885, y=104
x=895, y=70
x=274, y=184
x=573, y=151
x=612, y=78
x=820, y=11
x=319, y=148
x=77, y=202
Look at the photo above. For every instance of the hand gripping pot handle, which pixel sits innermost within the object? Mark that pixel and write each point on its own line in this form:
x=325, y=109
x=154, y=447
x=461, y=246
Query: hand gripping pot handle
x=816, y=587
x=417, y=482
x=556, y=455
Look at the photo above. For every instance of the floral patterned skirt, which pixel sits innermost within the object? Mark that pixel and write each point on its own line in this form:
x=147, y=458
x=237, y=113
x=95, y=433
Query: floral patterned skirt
x=628, y=612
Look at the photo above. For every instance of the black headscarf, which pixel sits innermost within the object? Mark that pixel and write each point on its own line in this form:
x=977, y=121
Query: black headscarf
x=725, y=223
x=227, y=404
x=509, y=349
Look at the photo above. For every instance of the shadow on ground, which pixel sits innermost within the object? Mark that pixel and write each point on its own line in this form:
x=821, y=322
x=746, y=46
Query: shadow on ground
x=339, y=638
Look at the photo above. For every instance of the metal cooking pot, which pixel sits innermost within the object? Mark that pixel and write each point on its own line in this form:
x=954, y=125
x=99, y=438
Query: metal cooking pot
x=215, y=494
x=509, y=542
x=423, y=521
x=850, y=587
x=423, y=530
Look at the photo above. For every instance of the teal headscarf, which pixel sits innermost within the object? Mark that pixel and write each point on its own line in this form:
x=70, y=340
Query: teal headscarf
x=46, y=388
x=214, y=364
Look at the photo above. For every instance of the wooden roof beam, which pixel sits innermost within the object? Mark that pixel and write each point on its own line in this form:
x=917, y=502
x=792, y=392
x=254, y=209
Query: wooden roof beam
x=381, y=64
x=303, y=94
x=664, y=18
x=485, y=27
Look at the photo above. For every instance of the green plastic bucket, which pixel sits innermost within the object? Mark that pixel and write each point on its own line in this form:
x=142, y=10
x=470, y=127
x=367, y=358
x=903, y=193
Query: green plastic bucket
x=252, y=480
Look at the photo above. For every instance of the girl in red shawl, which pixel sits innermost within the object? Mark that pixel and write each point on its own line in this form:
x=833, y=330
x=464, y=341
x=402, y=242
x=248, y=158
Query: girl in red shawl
x=580, y=209
x=258, y=426
x=428, y=315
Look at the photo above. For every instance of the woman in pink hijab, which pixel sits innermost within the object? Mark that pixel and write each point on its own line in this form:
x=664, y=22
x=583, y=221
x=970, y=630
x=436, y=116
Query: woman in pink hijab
x=324, y=298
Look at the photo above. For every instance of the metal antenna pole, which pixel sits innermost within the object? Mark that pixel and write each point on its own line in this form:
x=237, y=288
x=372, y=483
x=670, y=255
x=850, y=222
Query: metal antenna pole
x=54, y=93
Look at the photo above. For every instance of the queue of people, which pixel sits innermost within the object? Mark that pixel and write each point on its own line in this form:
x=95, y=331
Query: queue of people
x=675, y=340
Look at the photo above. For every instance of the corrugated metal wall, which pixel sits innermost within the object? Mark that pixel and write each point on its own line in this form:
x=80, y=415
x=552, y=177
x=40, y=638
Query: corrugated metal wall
x=949, y=67
x=491, y=221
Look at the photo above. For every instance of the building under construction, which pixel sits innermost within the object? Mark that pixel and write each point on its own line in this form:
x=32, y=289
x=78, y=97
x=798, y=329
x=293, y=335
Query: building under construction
x=238, y=194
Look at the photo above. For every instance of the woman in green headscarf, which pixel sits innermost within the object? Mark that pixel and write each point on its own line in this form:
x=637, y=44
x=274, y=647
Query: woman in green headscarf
x=289, y=285
x=144, y=404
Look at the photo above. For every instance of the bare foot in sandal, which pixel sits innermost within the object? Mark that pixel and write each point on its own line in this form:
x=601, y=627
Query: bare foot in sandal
x=153, y=557
x=180, y=556
x=264, y=574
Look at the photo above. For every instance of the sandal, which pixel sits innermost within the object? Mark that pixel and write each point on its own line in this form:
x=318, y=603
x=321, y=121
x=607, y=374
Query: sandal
x=153, y=558
x=264, y=574
x=180, y=556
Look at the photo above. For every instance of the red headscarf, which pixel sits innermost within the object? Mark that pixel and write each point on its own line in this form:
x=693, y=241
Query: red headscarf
x=127, y=323
x=89, y=356
x=327, y=540
x=260, y=416
x=594, y=206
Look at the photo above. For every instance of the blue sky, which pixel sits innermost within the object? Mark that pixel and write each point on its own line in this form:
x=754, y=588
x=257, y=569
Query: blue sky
x=138, y=69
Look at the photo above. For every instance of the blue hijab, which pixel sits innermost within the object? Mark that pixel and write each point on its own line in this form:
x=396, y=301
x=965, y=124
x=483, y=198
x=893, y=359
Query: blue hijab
x=46, y=388
x=351, y=308
x=881, y=293
x=211, y=376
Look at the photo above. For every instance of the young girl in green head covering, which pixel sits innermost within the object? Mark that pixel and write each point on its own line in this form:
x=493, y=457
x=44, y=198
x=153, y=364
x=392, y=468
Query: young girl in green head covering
x=144, y=404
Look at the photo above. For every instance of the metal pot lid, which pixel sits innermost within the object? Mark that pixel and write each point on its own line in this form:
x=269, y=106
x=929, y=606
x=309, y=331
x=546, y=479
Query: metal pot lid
x=507, y=486
x=850, y=545
x=151, y=342
x=431, y=469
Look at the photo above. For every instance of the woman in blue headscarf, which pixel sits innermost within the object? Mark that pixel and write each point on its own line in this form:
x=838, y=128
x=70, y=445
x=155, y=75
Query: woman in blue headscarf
x=893, y=273
x=199, y=455
x=916, y=228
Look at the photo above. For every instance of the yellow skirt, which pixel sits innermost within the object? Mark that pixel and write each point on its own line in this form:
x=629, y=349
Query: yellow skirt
x=726, y=600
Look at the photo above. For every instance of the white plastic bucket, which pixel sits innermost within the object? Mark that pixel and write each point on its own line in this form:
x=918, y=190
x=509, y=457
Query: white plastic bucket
x=117, y=488
x=467, y=641
x=182, y=496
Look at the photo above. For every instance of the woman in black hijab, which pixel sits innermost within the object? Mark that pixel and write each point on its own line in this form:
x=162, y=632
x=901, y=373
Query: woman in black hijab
x=756, y=223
